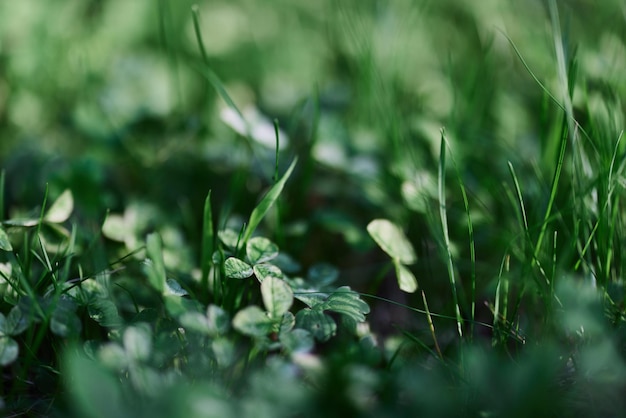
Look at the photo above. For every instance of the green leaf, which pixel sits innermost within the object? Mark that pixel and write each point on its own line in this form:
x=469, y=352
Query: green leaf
x=177, y=306
x=261, y=249
x=194, y=321
x=115, y=228
x=264, y=270
x=287, y=322
x=266, y=203
x=113, y=356
x=237, y=269
x=215, y=322
x=297, y=341
x=5, y=243
x=406, y=279
x=224, y=351
x=218, y=320
x=317, y=323
x=172, y=287
x=104, y=312
x=277, y=296
x=229, y=238
x=311, y=299
x=392, y=240
x=253, y=321
x=155, y=265
x=138, y=342
x=95, y=392
x=9, y=350
x=347, y=302
x=322, y=274
x=16, y=322
x=61, y=209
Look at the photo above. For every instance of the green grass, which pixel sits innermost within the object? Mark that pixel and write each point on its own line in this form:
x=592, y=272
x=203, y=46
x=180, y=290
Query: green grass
x=302, y=209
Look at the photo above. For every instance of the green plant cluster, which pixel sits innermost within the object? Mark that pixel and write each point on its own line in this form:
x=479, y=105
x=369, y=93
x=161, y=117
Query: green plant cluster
x=303, y=209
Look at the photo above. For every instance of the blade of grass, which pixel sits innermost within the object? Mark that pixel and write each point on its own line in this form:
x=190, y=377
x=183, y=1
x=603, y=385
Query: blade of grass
x=431, y=326
x=446, y=238
x=472, y=246
x=266, y=203
x=208, y=245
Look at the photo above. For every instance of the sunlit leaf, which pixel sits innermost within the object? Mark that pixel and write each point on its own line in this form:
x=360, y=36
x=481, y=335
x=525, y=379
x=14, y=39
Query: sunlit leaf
x=113, y=355
x=25, y=222
x=115, y=228
x=406, y=279
x=172, y=287
x=138, y=342
x=5, y=243
x=252, y=321
x=229, y=237
x=392, y=240
x=9, y=350
x=320, y=325
x=61, y=209
x=265, y=270
x=194, y=321
x=277, y=296
x=237, y=269
x=261, y=249
x=266, y=203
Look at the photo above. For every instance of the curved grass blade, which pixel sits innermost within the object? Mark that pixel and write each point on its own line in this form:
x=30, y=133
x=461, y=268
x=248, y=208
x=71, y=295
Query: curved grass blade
x=266, y=203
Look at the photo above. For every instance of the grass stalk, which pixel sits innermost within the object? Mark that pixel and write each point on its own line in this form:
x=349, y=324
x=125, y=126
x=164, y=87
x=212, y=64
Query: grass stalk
x=446, y=238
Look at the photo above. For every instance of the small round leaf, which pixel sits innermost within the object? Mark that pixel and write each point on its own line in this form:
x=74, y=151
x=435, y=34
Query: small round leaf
x=61, y=209
x=8, y=350
x=252, y=321
x=406, y=279
x=237, y=269
x=392, y=240
x=261, y=249
x=277, y=296
x=5, y=243
x=138, y=342
x=317, y=323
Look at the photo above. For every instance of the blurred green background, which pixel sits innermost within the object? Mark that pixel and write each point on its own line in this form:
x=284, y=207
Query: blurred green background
x=111, y=99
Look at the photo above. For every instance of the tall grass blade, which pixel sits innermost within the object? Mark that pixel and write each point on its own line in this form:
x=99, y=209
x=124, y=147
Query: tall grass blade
x=431, y=325
x=266, y=203
x=156, y=270
x=472, y=248
x=446, y=238
x=208, y=243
